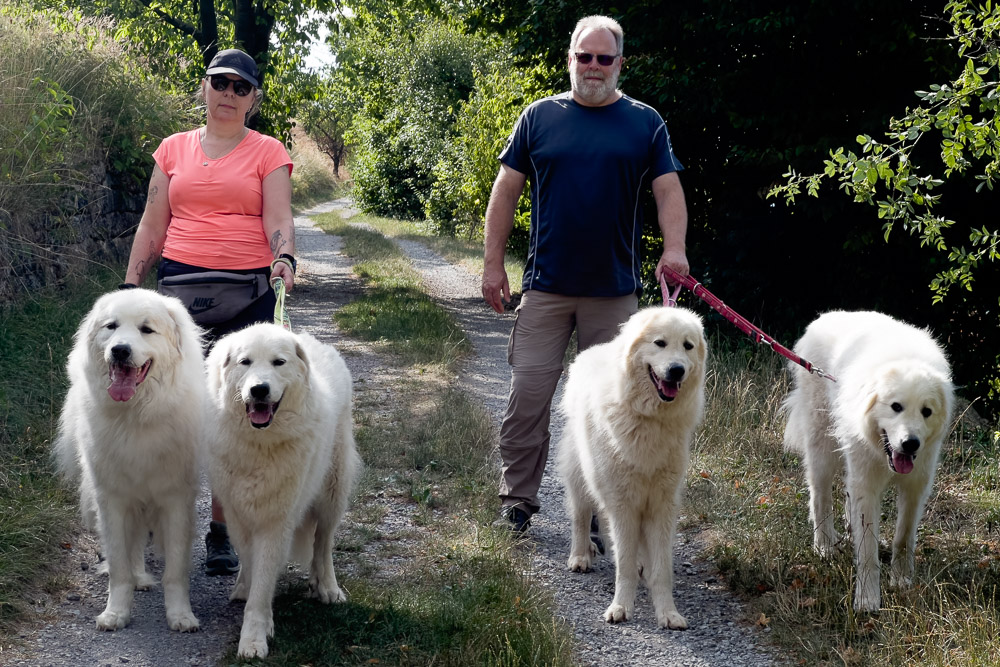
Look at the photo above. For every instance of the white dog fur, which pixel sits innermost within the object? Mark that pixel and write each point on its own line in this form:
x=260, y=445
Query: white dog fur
x=632, y=406
x=885, y=419
x=282, y=462
x=129, y=435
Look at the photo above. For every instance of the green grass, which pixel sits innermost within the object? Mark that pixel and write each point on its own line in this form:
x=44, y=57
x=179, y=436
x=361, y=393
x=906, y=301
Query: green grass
x=456, y=593
x=751, y=501
x=35, y=337
x=448, y=590
x=395, y=311
x=467, y=254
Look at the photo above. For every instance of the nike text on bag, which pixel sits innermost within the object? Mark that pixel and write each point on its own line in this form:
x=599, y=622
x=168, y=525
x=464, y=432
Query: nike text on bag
x=215, y=296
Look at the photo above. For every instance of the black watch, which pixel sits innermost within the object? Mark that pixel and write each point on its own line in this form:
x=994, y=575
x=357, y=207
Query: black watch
x=291, y=259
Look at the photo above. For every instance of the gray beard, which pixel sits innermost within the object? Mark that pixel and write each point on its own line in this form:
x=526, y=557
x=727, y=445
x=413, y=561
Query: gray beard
x=594, y=92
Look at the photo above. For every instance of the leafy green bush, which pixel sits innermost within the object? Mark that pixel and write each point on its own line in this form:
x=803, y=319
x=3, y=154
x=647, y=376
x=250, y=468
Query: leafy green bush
x=463, y=177
x=411, y=88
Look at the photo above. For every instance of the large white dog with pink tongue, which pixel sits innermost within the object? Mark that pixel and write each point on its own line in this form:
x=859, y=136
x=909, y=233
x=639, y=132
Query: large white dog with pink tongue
x=129, y=435
x=282, y=461
x=884, y=420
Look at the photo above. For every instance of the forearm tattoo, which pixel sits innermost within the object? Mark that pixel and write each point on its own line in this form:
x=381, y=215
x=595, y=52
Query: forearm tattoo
x=143, y=266
x=279, y=243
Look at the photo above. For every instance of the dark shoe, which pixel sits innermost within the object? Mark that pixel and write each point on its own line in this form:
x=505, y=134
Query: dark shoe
x=595, y=535
x=220, y=558
x=513, y=519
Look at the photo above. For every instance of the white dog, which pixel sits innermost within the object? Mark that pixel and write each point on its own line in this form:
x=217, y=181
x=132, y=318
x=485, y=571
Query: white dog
x=632, y=406
x=130, y=434
x=885, y=418
x=283, y=462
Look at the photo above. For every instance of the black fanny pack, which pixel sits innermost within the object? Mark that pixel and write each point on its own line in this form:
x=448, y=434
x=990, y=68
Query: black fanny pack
x=214, y=296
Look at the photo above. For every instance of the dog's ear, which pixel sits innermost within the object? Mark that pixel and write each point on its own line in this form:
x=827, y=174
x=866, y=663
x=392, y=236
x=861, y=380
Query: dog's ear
x=300, y=352
x=180, y=318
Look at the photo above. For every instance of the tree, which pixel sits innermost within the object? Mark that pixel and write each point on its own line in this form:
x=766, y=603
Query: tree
x=963, y=115
x=180, y=38
x=327, y=117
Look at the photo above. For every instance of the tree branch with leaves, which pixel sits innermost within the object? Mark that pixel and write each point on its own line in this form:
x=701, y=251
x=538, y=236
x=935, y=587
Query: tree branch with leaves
x=963, y=116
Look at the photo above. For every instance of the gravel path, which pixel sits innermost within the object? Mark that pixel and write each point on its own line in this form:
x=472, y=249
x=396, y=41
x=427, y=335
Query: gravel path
x=718, y=633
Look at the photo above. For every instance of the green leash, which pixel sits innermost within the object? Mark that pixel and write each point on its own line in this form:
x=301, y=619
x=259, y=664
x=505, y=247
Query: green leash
x=280, y=316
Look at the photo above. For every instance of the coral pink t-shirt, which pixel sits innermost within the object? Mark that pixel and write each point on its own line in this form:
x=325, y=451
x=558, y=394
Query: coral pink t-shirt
x=216, y=205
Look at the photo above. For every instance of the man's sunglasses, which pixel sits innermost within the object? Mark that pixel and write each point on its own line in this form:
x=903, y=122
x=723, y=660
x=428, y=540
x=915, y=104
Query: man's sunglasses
x=603, y=60
x=240, y=87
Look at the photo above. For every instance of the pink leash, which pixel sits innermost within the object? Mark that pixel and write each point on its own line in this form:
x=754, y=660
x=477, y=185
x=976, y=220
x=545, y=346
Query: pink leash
x=744, y=325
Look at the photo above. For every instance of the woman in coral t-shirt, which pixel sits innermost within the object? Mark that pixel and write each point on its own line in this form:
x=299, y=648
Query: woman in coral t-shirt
x=218, y=218
x=219, y=199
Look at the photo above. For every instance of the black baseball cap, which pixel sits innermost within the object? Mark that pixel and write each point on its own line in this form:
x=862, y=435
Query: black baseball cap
x=234, y=61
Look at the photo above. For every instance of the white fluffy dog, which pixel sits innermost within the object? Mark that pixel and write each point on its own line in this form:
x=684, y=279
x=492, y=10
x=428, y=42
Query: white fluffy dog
x=885, y=419
x=632, y=406
x=130, y=433
x=282, y=462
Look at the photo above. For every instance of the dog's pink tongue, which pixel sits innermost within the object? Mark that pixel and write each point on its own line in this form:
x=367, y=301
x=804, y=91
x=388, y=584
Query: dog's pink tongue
x=260, y=413
x=124, y=380
x=902, y=463
x=668, y=389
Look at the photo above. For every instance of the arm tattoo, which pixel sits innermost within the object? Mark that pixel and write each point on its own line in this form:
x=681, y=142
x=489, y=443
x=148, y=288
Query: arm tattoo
x=143, y=266
x=153, y=191
x=278, y=242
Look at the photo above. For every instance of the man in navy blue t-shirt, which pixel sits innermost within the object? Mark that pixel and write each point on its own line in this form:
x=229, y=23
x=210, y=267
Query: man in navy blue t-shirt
x=590, y=155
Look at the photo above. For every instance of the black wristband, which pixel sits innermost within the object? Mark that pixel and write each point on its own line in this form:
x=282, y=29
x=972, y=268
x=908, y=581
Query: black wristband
x=291, y=259
x=128, y=286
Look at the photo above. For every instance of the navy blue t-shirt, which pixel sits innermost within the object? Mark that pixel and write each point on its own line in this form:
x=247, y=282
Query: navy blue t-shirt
x=588, y=168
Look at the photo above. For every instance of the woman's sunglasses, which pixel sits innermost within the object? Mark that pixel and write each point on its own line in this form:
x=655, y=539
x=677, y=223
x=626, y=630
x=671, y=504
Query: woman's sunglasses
x=603, y=60
x=240, y=87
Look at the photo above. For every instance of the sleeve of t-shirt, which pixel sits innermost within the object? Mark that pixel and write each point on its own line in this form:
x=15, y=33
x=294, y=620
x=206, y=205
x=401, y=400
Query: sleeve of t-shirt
x=515, y=154
x=274, y=155
x=164, y=155
x=663, y=158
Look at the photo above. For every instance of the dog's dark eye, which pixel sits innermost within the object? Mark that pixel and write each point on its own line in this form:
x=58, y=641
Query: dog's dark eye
x=896, y=407
x=146, y=330
x=245, y=361
x=278, y=362
x=111, y=326
x=660, y=343
x=688, y=345
x=926, y=412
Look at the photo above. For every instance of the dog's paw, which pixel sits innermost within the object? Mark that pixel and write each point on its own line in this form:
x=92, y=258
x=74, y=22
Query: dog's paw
x=145, y=582
x=327, y=594
x=672, y=620
x=255, y=647
x=112, y=620
x=868, y=603
x=616, y=613
x=827, y=546
x=580, y=563
x=183, y=621
x=900, y=581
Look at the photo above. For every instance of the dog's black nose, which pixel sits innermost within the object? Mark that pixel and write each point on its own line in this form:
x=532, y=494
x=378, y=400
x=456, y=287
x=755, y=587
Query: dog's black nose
x=260, y=391
x=675, y=373
x=910, y=445
x=121, y=353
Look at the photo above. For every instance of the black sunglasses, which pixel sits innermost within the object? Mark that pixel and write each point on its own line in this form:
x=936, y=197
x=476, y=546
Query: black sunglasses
x=603, y=60
x=240, y=87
